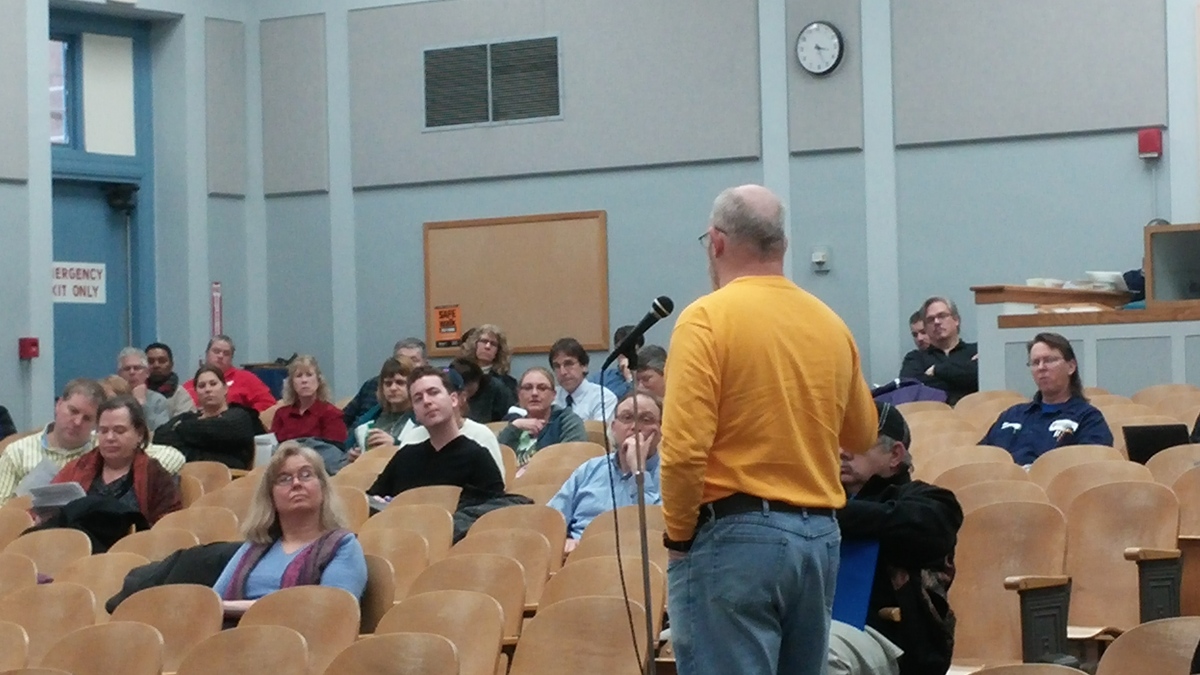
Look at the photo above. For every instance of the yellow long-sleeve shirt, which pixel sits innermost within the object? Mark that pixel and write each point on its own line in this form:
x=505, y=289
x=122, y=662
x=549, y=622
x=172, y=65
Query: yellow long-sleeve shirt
x=764, y=385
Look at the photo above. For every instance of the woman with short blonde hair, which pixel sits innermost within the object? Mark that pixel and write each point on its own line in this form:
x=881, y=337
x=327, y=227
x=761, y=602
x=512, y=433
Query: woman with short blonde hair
x=295, y=535
x=306, y=411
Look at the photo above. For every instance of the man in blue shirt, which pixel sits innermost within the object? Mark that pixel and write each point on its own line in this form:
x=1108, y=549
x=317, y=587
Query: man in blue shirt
x=618, y=378
x=588, y=491
x=1058, y=415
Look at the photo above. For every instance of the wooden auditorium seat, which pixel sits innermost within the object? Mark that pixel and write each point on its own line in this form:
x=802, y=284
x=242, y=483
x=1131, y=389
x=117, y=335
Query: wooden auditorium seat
x=589, y=633
x=1168, y=465
x=125, y=647
x=236, y=499
x=933, y=466
x=472, y=621
x=601, y=576
x=354, y=505
x=184, y=614
x=327, y=617
x=212, y=475
x=497, y=576
x=528, y=547
x=156, y=543
x=398, y=654
x=1161, y=647
x=47, y=612
x=380, y=593
x=999, y=491
x=12, y=523
x=16, y=572
x=536, y=517
x=981, y=397
x=1149, y=396
x=1074, y=481
x=102, y=574
x=209, y=523
x=407, y=551
x=911, y=407
x=444, y=496
x=14, y=646
x=276, y=649
x=627, y=519
x=969, y=474
x=433, y=523
x=52, y=550
x=1045, y=468
x=630, y=545
x=998, y=542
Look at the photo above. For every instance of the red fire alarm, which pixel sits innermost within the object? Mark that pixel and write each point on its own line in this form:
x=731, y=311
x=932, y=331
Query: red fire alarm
x=1150, y=143
x=27, y=348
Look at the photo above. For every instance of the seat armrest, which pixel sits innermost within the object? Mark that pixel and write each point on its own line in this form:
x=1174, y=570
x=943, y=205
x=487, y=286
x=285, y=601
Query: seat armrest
x=1139, y=554
x=890, y=614
x=1033, y=582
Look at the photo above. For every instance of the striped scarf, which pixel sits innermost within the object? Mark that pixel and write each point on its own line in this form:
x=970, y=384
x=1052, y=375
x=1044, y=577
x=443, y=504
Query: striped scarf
x=304, y=570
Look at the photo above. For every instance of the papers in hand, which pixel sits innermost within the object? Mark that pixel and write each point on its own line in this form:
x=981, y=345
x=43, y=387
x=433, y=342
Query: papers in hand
x=56, y=494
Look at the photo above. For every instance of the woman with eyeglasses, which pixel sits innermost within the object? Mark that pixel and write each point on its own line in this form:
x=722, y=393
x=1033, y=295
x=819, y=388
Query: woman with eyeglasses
x=543, y=422
x=488, y=347
x=295, y=535
x=218, y=430
x=1059, y=413
x=119, y=467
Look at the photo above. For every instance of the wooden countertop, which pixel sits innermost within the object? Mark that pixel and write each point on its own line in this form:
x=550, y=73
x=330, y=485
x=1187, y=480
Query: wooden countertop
x=1036, y=295
x=1116, y=317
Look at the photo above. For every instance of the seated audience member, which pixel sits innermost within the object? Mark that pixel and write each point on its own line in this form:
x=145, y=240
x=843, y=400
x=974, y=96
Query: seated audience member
x=544, y=422
x=947, y=363
x=589, y=400
x=590, y=491
x=489, y=348
x=618, y=377
x=415, y=434
x=1059, y=413
x=219, y=431
x=382, y=423
x=119, y=467
x=916, y=525
x=306, y=411
x=294, y=536
x=68, y=437
x=244, y=387
x=448, y=457
x=367, y=397
x=134, y=368
x=488, y=399
x=7, y=428
x=916, y=326
x=114, y=385
x=162, y=378
x=652, y=363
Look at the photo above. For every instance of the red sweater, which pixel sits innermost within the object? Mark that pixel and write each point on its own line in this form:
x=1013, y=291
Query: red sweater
x=244, y=389
x=322, y=420
x=154, y=487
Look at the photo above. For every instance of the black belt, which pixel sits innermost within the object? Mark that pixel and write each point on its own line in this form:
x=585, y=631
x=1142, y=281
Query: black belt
x=739, y=502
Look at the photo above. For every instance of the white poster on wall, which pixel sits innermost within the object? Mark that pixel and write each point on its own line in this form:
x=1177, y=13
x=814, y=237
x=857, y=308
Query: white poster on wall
x=80, y=282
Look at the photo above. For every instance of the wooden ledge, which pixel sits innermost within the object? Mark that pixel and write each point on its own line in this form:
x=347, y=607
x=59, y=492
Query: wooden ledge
x=1140, y=554
x=1037, y=295
x=1032, y=582
x=1124, y=316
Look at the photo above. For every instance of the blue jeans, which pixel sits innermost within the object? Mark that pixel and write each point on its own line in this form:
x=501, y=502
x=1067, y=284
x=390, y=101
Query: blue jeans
x=754, y=595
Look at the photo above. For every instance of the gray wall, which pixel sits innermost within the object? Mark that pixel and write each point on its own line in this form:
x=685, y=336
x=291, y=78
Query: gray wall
x=1004, y=211
x=968, y=69
x=14, y=83
x=294, y=106
x=643, y=83
x=299, y=278
x=829, y=210
x=225, y=106
x=14, y=306
x=654, y=218
x=227, y=239
x=826, y=113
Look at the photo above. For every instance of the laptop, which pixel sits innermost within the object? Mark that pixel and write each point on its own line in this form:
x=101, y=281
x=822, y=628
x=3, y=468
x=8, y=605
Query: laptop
x=1145, y=441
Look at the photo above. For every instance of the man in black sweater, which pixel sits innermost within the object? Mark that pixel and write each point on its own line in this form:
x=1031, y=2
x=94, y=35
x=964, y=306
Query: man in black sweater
x=916, y=525
x=448, y=457
x=947, y=363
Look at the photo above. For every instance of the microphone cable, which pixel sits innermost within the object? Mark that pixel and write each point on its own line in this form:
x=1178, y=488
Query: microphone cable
x=643, y=666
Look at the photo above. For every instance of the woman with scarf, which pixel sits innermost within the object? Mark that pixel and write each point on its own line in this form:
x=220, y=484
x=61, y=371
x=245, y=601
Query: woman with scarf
x=219, y=431
x=164, y=380
x=295, y=535
x=119, y=468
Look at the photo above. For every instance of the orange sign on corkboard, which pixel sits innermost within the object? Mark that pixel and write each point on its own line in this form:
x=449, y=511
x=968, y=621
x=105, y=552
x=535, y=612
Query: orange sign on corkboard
x=539, y=278
x=447, y=321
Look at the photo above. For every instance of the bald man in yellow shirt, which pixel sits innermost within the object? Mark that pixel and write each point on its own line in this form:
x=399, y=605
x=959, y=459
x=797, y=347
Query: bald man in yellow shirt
x=764, y=385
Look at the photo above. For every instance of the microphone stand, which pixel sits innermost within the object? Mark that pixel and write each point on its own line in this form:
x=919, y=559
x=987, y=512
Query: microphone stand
x=639, y=476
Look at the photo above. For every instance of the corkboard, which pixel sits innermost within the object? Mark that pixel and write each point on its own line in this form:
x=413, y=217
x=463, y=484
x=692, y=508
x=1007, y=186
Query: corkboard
x=539, y=278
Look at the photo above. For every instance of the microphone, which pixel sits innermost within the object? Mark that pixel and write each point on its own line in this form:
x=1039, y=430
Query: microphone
x=661, y=308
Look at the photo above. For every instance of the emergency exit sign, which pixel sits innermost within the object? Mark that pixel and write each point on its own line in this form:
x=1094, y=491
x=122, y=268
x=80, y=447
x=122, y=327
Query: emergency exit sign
x=80, y=282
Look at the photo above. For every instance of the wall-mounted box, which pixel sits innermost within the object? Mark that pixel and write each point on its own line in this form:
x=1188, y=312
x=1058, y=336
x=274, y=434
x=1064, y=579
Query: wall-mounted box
x=1172, y=265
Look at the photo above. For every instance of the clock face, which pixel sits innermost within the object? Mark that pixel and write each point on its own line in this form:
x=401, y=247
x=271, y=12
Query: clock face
x=819, y=48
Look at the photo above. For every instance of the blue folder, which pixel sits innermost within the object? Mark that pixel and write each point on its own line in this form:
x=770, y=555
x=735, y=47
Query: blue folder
x=856, y=575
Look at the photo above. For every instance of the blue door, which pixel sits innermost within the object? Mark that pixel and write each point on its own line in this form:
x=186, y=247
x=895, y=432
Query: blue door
x=91, y=282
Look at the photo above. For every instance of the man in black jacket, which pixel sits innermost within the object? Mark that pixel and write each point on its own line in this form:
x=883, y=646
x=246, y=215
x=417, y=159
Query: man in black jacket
x=916, y=525
x=947, y=363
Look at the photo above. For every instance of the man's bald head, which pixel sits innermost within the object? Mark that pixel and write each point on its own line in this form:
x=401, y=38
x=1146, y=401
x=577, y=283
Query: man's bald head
x=752, y=217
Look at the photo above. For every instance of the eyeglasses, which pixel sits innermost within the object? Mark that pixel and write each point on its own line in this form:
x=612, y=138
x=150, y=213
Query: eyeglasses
x=536, y=387
x=645, y=419
x=1048, y=361
x=303, y=475
x=487, y=342
x=939, y=317
x=704, y=238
